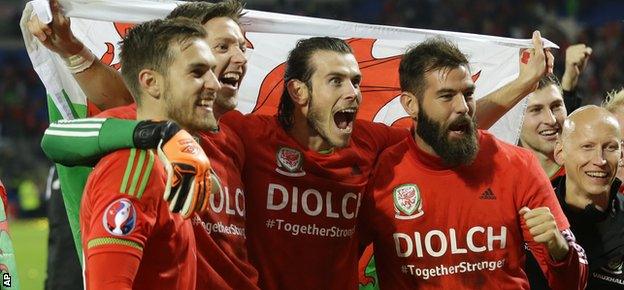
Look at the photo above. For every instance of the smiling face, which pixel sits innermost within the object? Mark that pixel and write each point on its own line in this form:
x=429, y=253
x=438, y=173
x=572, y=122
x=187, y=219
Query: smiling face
x=191, y=86
x=590, y=150
x=543, y=120
x=228, y=45
x=445, y=115
x=333, y=96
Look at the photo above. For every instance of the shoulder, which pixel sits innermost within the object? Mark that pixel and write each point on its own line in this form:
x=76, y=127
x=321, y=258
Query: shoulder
x=240, y=123
x=503, y=151
x=364, y=127
x=382, y=134
x=225, y=143
x=226, y=131
x=129, y=171
x=123, y=112
x=230, y=137
x=232, y=118
x=392, y=155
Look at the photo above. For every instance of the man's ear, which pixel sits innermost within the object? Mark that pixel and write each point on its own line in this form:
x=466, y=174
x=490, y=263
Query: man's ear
x=410, y=104
x=151, y=82
x=298, y=92
x=559, y=154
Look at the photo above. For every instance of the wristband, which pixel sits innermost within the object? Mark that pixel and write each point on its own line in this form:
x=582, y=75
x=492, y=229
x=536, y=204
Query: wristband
x=80, y=61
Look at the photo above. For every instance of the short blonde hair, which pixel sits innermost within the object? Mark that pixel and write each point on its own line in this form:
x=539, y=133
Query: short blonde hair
x=614, y=100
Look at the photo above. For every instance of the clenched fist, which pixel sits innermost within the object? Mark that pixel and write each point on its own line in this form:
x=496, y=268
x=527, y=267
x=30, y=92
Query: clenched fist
x=543, y=228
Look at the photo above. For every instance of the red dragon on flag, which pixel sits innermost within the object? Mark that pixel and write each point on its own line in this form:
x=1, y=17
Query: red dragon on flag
x=380, y=83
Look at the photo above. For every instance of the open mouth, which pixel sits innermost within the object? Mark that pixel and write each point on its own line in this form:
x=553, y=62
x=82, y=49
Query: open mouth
x=230, y=79
x=344, y=119
x=460, y=127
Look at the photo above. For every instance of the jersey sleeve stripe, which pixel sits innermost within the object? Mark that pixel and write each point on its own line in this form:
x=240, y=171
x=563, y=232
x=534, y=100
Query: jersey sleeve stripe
x=124, y=182
x=146, y=174
x=84, y=120
x=137, y=173
x=97, y=242
x=63, y=133
x=76, y=126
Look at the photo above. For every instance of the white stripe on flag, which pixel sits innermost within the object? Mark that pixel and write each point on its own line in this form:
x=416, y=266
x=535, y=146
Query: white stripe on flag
x=72, y=133
x=76, y=126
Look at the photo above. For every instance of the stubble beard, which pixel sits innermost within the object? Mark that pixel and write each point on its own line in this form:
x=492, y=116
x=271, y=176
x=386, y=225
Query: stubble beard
x=187, y=119
x=314, y=123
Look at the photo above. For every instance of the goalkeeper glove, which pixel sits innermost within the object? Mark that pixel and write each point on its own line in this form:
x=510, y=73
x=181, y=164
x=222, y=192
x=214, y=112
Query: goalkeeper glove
x=188, y=168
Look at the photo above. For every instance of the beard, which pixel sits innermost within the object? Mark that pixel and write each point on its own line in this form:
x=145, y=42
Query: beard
x=453, y=153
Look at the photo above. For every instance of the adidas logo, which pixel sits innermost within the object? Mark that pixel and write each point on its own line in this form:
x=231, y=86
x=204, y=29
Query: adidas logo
x=488, y=194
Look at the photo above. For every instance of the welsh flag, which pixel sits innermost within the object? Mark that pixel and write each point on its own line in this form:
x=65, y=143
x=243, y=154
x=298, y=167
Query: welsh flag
x=101, y=25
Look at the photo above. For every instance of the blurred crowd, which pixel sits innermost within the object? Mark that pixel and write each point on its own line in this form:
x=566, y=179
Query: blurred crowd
x=599, y=24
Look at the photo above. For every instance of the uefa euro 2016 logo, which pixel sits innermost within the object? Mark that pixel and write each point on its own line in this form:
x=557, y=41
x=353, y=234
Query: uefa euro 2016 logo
x=119, y=219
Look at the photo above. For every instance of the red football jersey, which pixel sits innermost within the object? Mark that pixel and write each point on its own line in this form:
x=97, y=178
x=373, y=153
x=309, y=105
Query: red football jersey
x=458, y=228
x=222, y=260
x=220, y=231
x=302, y=205
x=122, y=211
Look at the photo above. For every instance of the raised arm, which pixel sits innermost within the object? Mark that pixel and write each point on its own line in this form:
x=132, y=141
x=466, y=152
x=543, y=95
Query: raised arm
x=575, y=62
x=534, y=63
x=546, y=231
x=102, y=84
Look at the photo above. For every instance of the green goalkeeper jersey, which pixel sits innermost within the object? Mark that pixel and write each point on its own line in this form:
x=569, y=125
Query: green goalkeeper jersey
x=75, y=146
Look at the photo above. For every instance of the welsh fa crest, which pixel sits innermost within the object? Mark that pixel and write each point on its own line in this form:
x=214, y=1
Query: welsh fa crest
x=289, y=162
x=407, y=202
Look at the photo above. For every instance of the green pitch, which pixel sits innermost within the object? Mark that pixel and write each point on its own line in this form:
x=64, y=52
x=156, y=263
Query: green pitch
x=30, y=239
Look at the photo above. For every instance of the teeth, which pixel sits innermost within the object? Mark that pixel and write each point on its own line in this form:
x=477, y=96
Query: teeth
x=204, y=102
x=548, y=132
x=598, y=174
x=233, y=76
x=347, y=111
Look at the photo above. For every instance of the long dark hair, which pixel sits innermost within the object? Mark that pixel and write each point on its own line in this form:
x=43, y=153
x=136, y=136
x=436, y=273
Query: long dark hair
x=298, y=67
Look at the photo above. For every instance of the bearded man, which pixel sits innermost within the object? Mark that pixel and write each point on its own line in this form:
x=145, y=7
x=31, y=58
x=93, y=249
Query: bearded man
x=451, y=207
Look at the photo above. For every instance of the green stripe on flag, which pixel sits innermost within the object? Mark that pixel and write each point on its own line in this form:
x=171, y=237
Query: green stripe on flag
x=55, y=113
x=72, y=108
